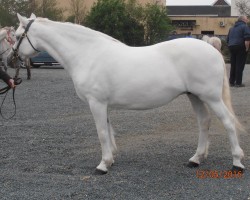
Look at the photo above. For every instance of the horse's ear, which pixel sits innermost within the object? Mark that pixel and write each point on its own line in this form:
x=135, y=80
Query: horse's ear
x=23, y=20
x=32, y=16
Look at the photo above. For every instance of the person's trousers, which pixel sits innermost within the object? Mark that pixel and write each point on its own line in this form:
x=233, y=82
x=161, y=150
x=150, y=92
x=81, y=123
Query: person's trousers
x=238, y=60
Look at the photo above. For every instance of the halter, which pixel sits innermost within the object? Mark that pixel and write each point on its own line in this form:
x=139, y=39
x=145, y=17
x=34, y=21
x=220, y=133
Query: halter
x=16, y=55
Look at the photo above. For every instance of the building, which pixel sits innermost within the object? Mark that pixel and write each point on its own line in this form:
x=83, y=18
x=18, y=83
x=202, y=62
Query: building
x=210, y=17
x=234, y=11
x=198, y=7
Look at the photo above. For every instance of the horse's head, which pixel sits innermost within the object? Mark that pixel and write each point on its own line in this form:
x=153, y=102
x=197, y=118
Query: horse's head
x=25, y=43
x=3, y=34
x=10, y=35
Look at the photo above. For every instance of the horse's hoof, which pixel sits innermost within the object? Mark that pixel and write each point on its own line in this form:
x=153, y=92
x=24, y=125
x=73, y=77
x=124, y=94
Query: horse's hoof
x=100, y=172
x=237, y=169
x=192, y=164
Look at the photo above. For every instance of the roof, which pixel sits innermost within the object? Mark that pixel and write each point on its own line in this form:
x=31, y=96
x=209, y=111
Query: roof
x=195, y=2
x=198, y=7
x=198, y=10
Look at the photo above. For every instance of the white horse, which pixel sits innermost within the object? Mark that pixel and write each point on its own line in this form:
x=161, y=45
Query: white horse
x=7, y=40
x=107, y=73
x=214, y=41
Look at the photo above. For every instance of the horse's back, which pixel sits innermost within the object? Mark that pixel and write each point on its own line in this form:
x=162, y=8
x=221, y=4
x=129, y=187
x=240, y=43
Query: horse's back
x=188, y=54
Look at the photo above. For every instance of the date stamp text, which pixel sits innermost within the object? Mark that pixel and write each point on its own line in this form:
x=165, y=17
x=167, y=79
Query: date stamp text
x=218, y=174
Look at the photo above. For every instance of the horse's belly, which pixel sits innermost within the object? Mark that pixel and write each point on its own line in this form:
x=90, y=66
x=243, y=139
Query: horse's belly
x=143, y=100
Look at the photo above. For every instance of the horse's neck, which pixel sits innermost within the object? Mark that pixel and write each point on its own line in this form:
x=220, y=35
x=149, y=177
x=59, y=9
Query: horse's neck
x=66, y=42
x=73, y=34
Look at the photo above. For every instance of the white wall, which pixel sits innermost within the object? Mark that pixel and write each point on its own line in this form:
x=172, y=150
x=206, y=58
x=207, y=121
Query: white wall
x=234, y=11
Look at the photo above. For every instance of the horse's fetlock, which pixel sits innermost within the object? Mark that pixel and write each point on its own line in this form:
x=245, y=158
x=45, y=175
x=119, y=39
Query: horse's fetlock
x=238, y=153
x=108, y=161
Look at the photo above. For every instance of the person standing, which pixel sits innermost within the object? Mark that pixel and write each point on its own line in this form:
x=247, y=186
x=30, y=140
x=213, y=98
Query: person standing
x=189, y=35
x=238, y=40
x=172, y=36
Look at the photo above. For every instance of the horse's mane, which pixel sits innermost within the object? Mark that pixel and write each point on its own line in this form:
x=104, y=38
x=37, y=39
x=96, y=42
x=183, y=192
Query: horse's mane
x=78, y=27
x=9, y=28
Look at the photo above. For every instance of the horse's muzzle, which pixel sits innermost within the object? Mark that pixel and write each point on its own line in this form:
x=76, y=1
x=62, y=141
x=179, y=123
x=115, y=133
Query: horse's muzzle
x=13, y=60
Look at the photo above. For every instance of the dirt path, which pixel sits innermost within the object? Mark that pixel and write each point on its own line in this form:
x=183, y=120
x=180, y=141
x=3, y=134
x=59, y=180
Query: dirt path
x=50, y=149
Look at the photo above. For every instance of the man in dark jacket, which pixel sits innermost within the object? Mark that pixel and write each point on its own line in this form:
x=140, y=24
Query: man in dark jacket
x=6, y=78
x=238, y=42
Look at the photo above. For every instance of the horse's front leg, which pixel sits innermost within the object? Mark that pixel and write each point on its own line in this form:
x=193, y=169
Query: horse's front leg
x=5, y=64
x=99, y=111
x=27, y=64
x=17, y=71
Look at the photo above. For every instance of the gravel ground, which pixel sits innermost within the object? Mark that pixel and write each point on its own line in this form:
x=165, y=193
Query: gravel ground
x=50, y=149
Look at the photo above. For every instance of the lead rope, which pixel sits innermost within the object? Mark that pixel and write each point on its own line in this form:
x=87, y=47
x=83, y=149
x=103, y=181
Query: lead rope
x=5, y=91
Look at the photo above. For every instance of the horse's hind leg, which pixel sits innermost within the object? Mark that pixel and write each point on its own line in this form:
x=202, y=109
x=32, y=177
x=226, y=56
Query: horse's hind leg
x=28, y=73
x=112, y=137
x=203, y=118
x=228, y=120
x=5, y=64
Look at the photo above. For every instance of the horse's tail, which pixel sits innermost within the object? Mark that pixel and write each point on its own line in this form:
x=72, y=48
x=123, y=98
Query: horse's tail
x=226, y=96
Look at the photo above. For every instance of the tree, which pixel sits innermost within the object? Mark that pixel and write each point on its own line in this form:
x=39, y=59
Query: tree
x=107, y=16
x=156, y=23
x=48, y=9
x=135, y=12
x=129, y=22
x=8, y=10
x=112, y=18
x=243, y=7
x=77, y=9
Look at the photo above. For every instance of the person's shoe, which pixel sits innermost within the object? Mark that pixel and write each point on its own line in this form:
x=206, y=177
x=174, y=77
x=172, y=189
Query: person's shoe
x=241, y=85
x=231, y=85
